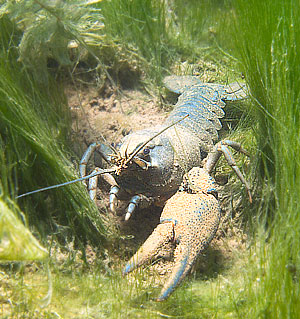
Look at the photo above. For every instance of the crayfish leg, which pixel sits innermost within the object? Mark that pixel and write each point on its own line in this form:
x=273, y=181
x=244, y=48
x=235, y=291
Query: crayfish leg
x=222, y=148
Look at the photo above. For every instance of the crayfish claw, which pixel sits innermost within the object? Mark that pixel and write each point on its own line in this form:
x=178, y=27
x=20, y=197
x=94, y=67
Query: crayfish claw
x=190, y=219
x=161, y=235
x=183, y=263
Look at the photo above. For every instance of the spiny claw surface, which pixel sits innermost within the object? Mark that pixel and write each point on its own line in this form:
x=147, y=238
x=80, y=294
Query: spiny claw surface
x=190, y=218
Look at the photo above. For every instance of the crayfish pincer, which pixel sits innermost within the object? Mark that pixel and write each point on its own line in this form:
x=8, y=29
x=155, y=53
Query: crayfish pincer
x=190, y=219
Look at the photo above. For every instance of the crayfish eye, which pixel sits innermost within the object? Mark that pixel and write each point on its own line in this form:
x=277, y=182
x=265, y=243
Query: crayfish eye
x=146, y=151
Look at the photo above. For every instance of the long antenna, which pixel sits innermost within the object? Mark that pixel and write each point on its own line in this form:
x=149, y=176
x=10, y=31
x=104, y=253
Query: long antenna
x=101, y=171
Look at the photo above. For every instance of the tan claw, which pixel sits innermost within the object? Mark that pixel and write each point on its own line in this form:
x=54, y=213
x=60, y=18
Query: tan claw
x=190, y=218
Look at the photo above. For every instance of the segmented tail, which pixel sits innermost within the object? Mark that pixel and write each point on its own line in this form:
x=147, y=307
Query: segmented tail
x=204, y=102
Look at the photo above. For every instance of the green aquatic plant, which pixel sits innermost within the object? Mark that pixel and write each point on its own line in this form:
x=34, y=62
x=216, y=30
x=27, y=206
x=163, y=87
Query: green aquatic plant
x=50, y=29
x=160, y=34
x=35, y=122
x=267, y=37
x=141, y=27
x=17, y=243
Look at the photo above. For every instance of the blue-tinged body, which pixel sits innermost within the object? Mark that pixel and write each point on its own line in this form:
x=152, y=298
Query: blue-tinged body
x=182, y=147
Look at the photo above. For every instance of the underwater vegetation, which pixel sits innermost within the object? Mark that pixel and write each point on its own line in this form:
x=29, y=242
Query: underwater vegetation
x=44, y=44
